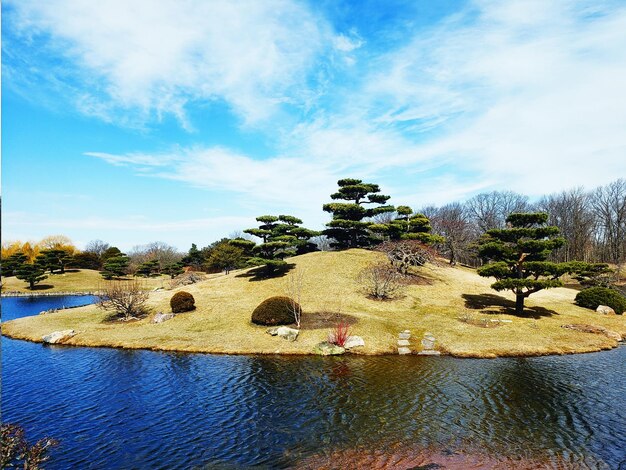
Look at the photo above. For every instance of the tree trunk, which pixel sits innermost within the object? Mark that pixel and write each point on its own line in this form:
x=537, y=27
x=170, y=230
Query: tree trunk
x=519, y=304
x=32, y=284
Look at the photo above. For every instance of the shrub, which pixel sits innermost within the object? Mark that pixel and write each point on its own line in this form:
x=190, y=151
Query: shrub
x=123, y=298
x=182, y=302
x=339, y=335
x=277, y=310
x=381, y=281
x=594, y=296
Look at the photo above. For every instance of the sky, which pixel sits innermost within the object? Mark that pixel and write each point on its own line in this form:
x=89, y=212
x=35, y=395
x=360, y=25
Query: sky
x=180, y=121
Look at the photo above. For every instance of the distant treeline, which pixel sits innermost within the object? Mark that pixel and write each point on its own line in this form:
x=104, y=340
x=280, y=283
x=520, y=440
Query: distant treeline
x=593, y=222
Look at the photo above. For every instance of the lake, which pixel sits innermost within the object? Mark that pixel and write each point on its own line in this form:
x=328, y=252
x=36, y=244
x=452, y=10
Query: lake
x=140, y=409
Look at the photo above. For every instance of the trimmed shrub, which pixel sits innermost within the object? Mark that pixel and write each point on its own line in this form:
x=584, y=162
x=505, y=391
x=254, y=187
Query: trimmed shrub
x=182, y=302
x=274, y=311
x=594, y=296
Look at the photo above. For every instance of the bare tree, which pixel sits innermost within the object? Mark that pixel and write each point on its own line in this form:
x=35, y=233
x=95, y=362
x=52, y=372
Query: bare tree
x=124, y=298
x=97, y=247
x=571, y=211
x=453, y=223
x=490, y=210
x=406, y=253
x=609, y=204
x=159, y=251
x=381, y=281
x=322, y=242
x=295, y=282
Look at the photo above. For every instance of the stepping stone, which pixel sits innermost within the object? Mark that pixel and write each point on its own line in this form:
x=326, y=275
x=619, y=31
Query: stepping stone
x=403, y=351
x=405, y=335
x=403, y=342
x=429, y=352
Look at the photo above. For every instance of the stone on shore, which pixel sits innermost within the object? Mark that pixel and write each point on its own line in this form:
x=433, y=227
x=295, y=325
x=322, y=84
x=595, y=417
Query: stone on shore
x=354, y=342
x=429, y=352
x=58, y=336
x=585, y=328
x=403, y=342
x=404, y=351
x=605, y=310
x=328, y=349
x=161, y=317
x=406, y=334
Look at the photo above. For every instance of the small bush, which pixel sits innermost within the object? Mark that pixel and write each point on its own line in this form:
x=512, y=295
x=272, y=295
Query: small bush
x=277, y=310
x=381, y=281
x=182, y=302
x=125, y=299
x=340, y=334
x=594, y=296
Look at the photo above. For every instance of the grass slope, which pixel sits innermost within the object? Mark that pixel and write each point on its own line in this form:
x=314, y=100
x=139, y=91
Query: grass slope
x=74, y=280
x=221, y=323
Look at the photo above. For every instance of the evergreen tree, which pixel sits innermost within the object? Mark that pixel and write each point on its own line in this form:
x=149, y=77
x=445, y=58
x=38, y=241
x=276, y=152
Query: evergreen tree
x=86, y=260
x=347, y=227
x=148, y=268
x=407, y=226
x=31, y=273
x=115, y=267
x=194, y=258
x=110, y=252
x=12, y=263
x=517, y=256
x=173, y=269
x=54, y=259
x=225, y=256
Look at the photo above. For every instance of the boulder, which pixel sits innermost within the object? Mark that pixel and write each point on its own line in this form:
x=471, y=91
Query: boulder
x=272, y=331
x=605, y=310
x=161, y=317
x=290, y=334
x=328, y=349
x=354, y=342
x=58, y=336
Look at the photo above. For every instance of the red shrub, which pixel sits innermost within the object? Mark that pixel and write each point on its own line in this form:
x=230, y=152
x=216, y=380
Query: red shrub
x=339, y=335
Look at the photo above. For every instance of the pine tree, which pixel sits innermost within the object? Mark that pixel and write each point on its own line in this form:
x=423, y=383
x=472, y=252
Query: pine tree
x=173, y=269
x=54, y=259
x=194, y=258
x=148, y=268
x=407, y=226
x=115, y=267
x=347, y=227
x=12, y=263
x=518, y=255
x=31, y=273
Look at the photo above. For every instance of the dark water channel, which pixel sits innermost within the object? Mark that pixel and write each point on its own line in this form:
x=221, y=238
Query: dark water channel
x=140, y=409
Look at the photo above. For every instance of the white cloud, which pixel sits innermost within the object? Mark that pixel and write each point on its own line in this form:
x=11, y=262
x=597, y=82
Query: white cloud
x=156, y=58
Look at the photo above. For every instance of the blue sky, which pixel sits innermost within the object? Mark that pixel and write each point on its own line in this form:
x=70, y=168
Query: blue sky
x=181, y=121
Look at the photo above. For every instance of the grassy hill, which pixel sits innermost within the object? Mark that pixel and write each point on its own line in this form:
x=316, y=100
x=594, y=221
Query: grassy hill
x=74, y=280
x=454, y=304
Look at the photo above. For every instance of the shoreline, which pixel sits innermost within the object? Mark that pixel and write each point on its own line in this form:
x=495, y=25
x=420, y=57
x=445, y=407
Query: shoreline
x=195, y=350
x=46, y=294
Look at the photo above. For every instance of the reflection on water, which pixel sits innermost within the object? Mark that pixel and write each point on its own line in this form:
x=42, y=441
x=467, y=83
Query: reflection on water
x=140, y=409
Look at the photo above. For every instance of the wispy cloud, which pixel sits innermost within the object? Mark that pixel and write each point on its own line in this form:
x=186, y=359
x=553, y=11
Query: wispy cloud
x=154, y=59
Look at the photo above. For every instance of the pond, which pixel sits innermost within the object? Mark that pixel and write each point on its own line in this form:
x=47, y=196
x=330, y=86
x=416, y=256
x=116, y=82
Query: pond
x=141, y=409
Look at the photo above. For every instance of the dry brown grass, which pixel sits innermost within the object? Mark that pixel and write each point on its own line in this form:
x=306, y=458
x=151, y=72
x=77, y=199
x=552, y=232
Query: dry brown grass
x=74, y=280
x=221, y=321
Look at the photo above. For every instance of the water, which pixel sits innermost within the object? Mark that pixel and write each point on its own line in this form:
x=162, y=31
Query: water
x=141, y=409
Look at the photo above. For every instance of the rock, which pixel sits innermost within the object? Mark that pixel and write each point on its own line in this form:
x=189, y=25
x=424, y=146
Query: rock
x=429, y=352
x=428, y=342
x=403, y=351
x=290, y=334
x=157, y=289
x=403, y=342
x=272, y=331
x=161, y=317
x=406, y=334
x=327, y=349
x=605, y=310
x=354, y=342
x=58, y=336
x=585, y=328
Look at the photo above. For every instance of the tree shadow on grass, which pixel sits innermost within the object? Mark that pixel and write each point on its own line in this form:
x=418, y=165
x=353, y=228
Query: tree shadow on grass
x=325, y=320
x=492, y=304
x=41, y=287
x=261, y=274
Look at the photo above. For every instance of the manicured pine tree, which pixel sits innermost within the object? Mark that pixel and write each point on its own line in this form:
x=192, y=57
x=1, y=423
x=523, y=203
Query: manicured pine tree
x=54, y=260
x=115, y=267
x=173, y=269
x=148, y=268
x=407, y=226
x=517, y=256
x=31, y=273
x=12, y=263
x=347, y=227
